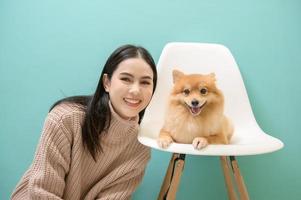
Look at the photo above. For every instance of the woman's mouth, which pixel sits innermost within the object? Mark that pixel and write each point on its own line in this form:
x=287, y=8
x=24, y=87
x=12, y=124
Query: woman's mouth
x=132, y=102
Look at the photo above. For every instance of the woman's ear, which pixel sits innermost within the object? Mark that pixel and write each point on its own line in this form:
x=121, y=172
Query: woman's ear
x=106, y=82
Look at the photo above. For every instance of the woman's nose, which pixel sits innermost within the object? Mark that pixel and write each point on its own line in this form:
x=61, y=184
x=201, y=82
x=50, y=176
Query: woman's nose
x=135, y=88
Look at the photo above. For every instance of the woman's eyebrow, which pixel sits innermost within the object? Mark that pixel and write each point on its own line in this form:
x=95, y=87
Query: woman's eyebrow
x=147, y=77
x=132, y=76
x=126, y=74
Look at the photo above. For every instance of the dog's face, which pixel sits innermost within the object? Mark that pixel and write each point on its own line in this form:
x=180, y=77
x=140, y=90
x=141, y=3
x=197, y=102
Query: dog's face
x=195, y=91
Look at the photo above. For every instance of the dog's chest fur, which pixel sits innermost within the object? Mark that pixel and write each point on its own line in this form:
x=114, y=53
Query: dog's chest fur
x=183, y=127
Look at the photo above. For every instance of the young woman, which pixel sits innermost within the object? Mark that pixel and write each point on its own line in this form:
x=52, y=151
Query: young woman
x=89, y=147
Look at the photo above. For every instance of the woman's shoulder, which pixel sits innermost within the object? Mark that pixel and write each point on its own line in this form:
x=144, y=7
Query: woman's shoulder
x=66, y=110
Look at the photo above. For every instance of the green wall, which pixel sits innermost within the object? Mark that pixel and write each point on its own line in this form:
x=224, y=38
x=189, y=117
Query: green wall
x=52, y=49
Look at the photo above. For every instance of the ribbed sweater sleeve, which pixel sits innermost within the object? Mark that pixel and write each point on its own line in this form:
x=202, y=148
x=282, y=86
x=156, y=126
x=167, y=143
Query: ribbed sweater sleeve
x=46, y=177
x=124, y=188
x=51, y=162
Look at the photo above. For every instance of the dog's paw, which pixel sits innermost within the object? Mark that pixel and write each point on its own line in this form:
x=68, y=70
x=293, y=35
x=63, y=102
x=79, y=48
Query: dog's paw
x=164, y=142
x=199, y=143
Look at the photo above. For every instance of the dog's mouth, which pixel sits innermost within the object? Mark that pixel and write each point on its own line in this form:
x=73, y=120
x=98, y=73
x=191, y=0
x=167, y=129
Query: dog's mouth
x=196, y=110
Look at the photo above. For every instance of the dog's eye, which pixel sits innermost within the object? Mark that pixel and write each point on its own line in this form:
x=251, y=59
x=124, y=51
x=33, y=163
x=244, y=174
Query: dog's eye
x=186, y=92
x=204, y=91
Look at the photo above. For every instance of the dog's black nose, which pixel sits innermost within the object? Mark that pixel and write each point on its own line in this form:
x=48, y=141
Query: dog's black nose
x=195, y=102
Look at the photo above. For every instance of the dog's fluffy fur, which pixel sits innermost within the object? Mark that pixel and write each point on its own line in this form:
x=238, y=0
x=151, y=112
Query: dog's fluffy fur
x=195, y=113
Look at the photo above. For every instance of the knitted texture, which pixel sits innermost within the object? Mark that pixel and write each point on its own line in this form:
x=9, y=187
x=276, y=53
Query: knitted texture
x=64, y=169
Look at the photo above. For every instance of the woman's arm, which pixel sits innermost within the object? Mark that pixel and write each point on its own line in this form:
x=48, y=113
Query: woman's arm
x=51, y=162
x=123, y=188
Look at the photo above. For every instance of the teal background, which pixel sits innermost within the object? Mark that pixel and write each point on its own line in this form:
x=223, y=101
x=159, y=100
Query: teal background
x=52, y=49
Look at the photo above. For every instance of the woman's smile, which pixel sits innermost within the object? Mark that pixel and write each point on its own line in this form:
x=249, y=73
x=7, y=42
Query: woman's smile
x=132, y=102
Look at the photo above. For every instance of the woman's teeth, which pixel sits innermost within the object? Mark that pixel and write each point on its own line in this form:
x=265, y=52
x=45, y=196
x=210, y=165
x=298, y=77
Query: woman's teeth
x=132, y=101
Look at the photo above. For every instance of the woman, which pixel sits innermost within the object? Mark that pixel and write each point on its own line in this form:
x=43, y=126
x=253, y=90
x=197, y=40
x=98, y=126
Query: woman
x=89, y=147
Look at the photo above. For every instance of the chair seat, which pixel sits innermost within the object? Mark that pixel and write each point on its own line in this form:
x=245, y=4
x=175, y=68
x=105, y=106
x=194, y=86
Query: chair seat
x=238, y=147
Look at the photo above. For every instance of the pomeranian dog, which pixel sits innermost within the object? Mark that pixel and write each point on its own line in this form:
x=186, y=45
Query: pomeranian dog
x=195, y=113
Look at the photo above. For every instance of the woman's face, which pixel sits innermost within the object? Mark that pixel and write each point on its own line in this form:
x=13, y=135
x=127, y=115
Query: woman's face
x=130, y=88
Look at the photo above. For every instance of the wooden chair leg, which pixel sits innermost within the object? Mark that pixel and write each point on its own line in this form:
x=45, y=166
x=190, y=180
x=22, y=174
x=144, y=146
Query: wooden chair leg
x=228, y=178
x=239, y=180
x=172, y=177
x=179, y=165
x=167, y=179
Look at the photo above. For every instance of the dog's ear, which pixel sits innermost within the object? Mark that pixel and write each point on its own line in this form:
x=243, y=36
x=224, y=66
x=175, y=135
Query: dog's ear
x=212, y=76
x=176, y=74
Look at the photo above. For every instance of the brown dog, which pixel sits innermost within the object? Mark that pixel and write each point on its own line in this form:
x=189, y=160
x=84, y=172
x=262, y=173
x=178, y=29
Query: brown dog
x=195, y=113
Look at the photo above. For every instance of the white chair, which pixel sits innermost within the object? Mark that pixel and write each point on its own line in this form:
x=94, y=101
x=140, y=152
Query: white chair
x=248, y=138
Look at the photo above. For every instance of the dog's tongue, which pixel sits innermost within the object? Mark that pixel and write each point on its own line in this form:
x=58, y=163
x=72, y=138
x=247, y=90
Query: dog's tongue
x=195, y=110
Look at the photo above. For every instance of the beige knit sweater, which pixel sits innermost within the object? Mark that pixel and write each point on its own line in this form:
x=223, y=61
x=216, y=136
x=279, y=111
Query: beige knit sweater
x=63, y=169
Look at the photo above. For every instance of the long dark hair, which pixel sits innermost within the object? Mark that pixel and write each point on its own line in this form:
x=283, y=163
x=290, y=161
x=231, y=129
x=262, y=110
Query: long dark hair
x=98, y=115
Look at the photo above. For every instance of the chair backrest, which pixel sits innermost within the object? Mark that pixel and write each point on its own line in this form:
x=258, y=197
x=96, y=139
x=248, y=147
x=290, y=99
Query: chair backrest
x=201, y=58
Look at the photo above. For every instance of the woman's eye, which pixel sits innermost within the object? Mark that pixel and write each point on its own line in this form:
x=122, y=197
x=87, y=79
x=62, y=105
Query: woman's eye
x=125, y=79
x=145, y=83
x=186, y=92
x=204, y=91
